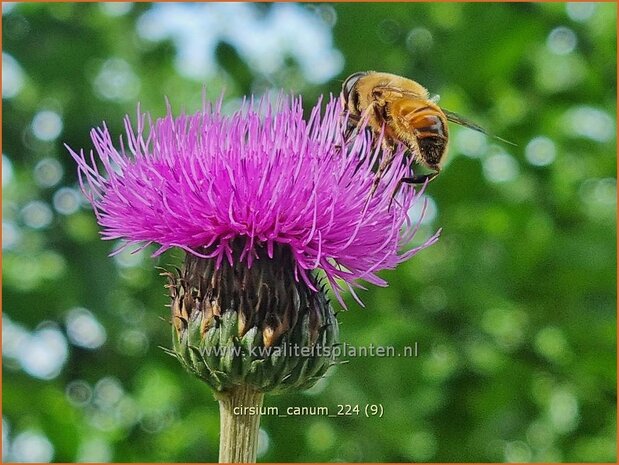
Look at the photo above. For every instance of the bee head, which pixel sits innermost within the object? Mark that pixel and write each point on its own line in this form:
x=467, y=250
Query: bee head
x=350, y=83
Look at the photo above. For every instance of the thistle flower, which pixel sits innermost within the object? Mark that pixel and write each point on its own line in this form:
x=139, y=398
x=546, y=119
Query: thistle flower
x=259, y=200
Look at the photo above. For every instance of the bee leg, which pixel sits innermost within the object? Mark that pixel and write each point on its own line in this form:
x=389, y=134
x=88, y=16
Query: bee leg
x=349, y=133
x=393, y=200
x=354, y=124
x=385, y=163
x=417, y=179
x=421, y=178
x=353, y=128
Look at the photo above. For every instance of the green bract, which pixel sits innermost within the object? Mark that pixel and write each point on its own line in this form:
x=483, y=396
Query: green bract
x=257, y=326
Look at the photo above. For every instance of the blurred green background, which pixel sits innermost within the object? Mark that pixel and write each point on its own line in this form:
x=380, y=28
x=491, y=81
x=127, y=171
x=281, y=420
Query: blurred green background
x=513, y=309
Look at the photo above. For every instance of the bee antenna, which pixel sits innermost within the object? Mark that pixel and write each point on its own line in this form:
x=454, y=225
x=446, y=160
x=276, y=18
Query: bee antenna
x=504, y=140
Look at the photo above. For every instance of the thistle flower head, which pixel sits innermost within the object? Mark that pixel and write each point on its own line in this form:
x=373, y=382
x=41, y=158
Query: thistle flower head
x=263, y=176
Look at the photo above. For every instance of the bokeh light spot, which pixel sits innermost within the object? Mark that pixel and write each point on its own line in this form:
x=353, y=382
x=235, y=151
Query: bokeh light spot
x=580, y=11
x=127, y=412
x=48, y=172
x=11, y=235
x=599, y=192
x=440, y=364
x=500, y=167
x=6, y=429
x=590, y=123
x=473, y=144
x=517, y=452
x=507, y=326
x=78, y=392
x=484, y=356
x=7, y=7
x=447, y=15
x=116, y=9
x=426, y=206
x=108, y=392
x=7, y=170
x=84, y=330
x=94, y=450
x=31, y=447
x=326, y=13
x=389, y=31
x=556, y=73
x=419, y=40
x=52, y=264
x=320, y=436
x=44, y=353
x=129, y=258
x=14, y=339
x=133, y=342
x=433, y=298
x=540, y=434
x=66, y=201
x=563, y=410
x=47, y=125
x=157, y=420
x=12, y=74
x=263, y=442
x=102, y=419
x=422, y=446
x=116, y=81
x=606, y=191
x=551, y=344
x=37, y=214
x=561, y=40
x=540, y=151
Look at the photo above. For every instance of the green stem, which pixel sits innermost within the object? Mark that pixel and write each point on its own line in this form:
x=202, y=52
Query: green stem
x=238, y=441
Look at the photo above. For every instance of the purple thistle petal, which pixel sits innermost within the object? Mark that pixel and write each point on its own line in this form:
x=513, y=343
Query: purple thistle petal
x=265, y=175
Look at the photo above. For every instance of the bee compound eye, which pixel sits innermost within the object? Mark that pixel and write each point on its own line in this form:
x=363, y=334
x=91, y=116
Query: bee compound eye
x=350, y=82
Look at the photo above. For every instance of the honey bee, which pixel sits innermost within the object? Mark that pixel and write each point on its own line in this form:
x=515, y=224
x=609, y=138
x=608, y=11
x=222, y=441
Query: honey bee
x=404, y=112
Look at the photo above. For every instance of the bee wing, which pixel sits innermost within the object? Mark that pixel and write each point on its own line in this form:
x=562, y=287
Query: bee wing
x=419, y=101
x=450, y=115
x=456, y=118
x=407, y=93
